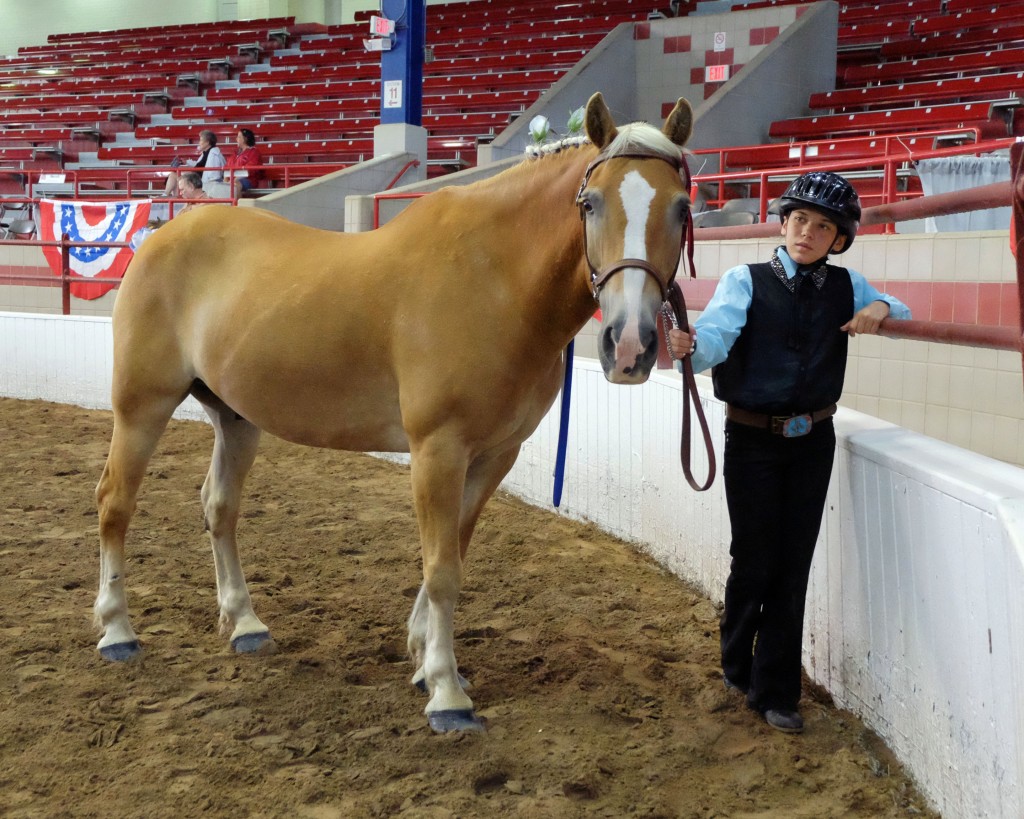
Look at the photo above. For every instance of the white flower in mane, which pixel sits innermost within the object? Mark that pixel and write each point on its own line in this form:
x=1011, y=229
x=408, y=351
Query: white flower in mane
x=541, y=130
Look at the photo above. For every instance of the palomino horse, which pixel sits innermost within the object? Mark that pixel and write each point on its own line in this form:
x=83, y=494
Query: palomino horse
x=441, y=334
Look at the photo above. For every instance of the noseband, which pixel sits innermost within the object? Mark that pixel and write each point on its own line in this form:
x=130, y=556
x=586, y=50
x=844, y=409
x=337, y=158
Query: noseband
x=598, y=279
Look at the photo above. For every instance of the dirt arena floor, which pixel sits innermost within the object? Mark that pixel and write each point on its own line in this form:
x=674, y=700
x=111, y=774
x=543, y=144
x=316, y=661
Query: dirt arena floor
x=595, y=670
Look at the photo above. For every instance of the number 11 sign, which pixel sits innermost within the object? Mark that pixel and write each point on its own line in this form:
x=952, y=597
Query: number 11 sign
x=393, y=94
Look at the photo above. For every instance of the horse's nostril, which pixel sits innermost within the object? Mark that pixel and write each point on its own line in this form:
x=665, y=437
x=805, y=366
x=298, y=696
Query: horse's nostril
x=608, y=339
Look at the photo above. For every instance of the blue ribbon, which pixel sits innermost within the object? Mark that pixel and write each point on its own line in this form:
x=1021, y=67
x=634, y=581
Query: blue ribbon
x=563, y=426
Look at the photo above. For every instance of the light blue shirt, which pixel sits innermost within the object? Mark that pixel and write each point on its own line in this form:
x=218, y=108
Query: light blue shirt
x=722, y=320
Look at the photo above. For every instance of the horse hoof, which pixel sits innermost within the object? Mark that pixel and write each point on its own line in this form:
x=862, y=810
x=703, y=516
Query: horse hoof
x=421, y=684
x=120, y=652
x=257, y=643
x=455, y=720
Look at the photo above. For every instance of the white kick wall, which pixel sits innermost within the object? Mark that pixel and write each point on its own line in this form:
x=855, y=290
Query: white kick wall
x=915, y=611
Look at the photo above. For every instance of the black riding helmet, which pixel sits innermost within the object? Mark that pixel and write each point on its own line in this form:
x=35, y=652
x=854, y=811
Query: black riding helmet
x=828, y=193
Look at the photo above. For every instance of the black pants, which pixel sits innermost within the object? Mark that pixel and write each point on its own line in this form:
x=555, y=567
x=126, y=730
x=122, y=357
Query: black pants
x=775, y=488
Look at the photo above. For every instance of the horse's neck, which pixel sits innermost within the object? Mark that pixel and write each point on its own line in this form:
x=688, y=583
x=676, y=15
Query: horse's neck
x=542, y=214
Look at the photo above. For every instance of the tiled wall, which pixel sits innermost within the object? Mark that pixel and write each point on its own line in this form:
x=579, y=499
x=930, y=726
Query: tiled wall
x=730, y=40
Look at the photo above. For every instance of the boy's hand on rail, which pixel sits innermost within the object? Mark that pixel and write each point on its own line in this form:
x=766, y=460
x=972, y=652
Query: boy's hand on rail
x=867, y=320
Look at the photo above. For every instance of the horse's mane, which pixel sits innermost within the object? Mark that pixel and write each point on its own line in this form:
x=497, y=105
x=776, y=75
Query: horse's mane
x=551, y=148
x=635, y=135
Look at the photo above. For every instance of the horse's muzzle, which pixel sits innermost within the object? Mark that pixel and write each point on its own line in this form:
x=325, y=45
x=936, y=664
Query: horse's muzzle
x=627, y=352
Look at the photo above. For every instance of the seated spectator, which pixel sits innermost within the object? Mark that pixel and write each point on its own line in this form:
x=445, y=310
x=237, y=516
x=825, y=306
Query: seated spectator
x=210, y=159
x=247, y=156
x=190, y=187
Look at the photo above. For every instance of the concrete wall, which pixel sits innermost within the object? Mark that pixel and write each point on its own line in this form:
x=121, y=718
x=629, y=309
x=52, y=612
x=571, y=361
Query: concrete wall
x=776, y=56
x=777, y=79
x=915, y=609
x=320, y=202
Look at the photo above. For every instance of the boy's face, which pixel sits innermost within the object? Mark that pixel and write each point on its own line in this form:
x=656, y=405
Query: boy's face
x=810, y=236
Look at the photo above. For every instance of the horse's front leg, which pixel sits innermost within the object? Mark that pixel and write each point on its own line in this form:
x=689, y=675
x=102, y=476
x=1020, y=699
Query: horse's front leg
x=482, y=479
x=438, y=476
x=234, y=450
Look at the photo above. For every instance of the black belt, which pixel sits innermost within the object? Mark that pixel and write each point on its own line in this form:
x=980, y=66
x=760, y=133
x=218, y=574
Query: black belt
x=789, y=426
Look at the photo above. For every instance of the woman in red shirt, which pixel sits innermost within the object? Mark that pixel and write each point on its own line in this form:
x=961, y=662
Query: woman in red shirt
x=246, y=176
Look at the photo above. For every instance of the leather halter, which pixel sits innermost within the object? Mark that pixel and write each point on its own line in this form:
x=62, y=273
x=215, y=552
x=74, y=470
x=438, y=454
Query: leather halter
x=598, y=279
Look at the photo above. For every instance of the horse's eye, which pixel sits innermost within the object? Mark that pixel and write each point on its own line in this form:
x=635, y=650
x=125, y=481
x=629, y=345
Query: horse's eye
x=587, y=205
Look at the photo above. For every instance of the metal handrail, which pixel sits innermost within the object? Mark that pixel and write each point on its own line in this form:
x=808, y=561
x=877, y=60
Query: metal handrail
x=66, y=279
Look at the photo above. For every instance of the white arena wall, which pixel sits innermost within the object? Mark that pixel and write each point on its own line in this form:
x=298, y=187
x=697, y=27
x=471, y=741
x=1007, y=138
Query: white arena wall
x=916, y=606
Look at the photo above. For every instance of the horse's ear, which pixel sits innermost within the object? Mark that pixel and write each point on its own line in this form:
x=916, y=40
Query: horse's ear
x=679, y=124
x=599, y=123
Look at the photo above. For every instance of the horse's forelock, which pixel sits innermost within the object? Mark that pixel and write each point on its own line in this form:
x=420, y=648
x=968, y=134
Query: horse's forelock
x=645, y=137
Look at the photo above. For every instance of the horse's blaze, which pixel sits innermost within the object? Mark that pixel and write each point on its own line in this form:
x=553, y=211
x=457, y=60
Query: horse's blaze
x=629, y=344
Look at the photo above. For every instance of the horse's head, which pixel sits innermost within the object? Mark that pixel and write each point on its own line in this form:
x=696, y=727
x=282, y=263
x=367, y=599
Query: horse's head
x=635, y=205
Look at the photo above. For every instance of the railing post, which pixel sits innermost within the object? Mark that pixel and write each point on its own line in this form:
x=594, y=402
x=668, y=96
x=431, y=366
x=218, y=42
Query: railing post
x=65, y=275
x=1017, y=230
x=889, y=186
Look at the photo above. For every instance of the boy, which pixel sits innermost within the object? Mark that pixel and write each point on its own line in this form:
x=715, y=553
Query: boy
x=776, y=337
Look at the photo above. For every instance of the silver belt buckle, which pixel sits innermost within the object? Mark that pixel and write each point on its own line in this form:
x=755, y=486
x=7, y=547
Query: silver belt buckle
x=792, y=427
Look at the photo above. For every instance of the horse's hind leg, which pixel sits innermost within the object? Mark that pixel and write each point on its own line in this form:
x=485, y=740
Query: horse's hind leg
x=234, y=450
x=138, y=425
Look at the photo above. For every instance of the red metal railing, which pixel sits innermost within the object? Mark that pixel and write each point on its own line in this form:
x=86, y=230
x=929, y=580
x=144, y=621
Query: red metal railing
x=65, y=278
x=129, y=175
x=889, y=162
x=896, y=208
x=147, y=179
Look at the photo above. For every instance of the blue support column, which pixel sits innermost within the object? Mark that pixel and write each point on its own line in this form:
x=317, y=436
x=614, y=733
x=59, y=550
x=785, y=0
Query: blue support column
x=401, y=68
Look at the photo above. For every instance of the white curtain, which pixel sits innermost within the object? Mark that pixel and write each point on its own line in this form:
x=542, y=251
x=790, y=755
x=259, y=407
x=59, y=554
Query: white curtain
x=954, y=173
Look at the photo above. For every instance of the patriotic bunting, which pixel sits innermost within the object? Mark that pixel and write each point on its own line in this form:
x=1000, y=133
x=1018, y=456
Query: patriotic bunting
x=91, y=222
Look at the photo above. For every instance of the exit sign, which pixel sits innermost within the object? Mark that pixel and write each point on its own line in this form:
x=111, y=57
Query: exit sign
x=381, y=26
x=716, y=73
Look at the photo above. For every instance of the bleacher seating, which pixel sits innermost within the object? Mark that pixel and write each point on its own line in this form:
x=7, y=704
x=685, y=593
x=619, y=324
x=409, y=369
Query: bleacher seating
x=938, y=68
x=912, y=75
x=952, y=66
x=954, y=42
x=312, y=94
x=981, y=115
x=977, y=87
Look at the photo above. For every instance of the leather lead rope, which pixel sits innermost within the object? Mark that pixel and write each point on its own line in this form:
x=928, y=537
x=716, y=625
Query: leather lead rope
x=690, y=396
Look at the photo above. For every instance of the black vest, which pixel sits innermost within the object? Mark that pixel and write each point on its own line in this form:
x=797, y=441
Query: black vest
x=790, y=356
